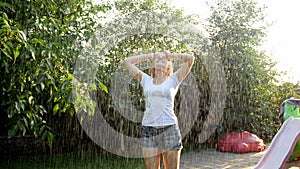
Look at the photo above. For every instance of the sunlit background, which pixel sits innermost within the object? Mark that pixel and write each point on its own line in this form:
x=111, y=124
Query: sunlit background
x=282, y=42
x=40, y=100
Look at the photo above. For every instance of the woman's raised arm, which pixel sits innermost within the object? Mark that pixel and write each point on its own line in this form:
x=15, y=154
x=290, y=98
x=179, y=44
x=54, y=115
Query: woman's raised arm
x=188, y=61
x=130, y=64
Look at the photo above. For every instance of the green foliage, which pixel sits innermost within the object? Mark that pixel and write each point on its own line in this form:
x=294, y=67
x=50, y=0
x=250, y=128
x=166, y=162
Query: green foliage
x=137, y=27
x=40, y=41
x=49, y=49
x=72, y=161
x=237, y=29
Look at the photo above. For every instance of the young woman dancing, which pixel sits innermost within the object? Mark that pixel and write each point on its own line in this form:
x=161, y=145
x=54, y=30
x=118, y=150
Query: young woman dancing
x=160, y=134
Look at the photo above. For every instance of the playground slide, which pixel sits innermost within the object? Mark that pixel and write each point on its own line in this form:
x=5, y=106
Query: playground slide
x=281, y=146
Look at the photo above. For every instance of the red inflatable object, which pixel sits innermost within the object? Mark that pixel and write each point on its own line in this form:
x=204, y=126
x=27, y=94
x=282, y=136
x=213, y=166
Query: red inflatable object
x=240, y=142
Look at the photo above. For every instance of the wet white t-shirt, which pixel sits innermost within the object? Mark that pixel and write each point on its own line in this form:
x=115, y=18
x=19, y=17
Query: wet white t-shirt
x=159, y=101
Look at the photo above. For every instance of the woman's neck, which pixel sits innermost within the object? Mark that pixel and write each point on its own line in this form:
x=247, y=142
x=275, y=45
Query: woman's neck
x=159, y=78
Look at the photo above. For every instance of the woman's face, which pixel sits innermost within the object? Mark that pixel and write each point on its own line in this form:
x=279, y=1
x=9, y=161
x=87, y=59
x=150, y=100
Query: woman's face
x=160, y=62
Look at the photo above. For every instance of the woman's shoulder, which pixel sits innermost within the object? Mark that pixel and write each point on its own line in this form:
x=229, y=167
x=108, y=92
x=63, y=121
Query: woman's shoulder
x=145, y=77
x=174, y=77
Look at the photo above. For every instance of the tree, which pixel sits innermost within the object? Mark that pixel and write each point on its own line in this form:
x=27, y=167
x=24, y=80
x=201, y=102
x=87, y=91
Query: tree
x=138, y=27
x=237, y=29
x=40, y=41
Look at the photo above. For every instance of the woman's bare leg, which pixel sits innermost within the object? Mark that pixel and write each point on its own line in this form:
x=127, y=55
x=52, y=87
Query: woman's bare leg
x=151, y=158
x=171, y=159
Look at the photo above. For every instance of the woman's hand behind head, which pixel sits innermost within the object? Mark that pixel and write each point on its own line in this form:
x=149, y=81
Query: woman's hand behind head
x=168, y=54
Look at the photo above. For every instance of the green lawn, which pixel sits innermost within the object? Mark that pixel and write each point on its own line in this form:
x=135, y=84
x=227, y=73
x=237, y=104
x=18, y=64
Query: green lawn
x=74, y=161
x=71, y=161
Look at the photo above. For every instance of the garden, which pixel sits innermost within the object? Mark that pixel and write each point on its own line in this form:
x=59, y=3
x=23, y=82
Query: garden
x=66, y=101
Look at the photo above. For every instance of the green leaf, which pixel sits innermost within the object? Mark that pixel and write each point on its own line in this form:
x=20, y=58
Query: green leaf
x=22, y=35
x=17, y=106
x=42, y=110
x=21, y=126
x=39, y=41
x=6, y=5
x=44, y=135
x=6, y=65
x=25, y=122
x=55, y=108
x=6, y=54
x=31, y=50
x=16, y=52
x=92, y=86
x=30, y=99
x=50, y=138
x=42, y=130
x=103, y=87
x=42, y=86
x=13, y=131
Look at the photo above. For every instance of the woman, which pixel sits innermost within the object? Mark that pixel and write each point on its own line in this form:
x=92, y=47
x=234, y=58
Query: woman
x=160, y=133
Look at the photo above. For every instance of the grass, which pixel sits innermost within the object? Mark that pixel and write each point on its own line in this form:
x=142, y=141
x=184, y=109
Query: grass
x=75, y=161
x=71, y=161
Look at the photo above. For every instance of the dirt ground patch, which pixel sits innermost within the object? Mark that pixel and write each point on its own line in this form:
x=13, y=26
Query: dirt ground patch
x=213, y=159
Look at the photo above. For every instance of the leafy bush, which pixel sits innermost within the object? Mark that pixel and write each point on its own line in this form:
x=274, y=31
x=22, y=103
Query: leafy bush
x=40, y=41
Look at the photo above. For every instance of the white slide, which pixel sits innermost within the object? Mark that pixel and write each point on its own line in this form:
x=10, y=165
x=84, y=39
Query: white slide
x=281, y=146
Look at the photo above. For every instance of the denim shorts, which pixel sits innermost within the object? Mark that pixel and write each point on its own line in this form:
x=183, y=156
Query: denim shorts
x=164, y=138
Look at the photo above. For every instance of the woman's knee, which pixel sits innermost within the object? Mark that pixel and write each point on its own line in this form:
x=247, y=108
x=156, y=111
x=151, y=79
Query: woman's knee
x=172, y=159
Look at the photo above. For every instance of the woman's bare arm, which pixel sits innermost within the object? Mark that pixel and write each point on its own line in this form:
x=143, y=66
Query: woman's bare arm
x=188, y=61
x=130, y=64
